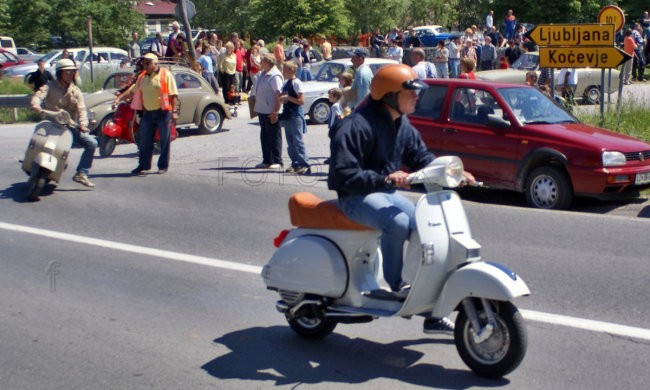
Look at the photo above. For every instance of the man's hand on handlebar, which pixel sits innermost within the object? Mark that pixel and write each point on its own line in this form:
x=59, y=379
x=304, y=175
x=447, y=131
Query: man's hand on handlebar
x=398, y=179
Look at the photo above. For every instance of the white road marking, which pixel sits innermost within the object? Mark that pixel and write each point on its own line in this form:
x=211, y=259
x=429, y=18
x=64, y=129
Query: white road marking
x=554, y=319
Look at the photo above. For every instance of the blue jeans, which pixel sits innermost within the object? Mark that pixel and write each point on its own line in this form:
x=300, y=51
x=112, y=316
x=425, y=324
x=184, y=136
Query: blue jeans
x=394, y=215
x=294, y=127
x=152, y=120
x=89, y=144
x=305, y=74
x=442, y=69
x=454, y=67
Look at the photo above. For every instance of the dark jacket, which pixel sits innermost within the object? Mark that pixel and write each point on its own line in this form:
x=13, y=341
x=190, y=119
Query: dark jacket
x=368, y=145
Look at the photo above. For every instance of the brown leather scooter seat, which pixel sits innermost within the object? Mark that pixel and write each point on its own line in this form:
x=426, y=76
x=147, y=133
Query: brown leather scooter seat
x=306, y=210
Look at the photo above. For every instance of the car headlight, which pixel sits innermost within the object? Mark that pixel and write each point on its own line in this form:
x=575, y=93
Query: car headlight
x=613, y=159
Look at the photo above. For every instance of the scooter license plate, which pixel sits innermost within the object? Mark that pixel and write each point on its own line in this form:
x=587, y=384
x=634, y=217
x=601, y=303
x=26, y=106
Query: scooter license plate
x=642, y=178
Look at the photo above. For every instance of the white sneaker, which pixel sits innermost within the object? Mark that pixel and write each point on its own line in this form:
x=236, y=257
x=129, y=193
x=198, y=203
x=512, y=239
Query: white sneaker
x=275, y=166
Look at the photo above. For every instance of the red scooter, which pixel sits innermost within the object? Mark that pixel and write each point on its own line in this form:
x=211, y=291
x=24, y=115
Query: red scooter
x=123, y=128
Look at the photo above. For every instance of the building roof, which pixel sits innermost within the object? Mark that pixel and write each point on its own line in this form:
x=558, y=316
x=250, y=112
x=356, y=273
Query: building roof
x=156, y=8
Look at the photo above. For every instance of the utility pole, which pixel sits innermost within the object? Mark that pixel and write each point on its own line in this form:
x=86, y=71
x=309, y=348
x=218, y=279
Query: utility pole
x=188, y=30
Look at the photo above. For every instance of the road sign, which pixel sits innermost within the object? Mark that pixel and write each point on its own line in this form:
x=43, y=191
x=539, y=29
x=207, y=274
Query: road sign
x=573, y=34
x=611, y=14
x=581, y=57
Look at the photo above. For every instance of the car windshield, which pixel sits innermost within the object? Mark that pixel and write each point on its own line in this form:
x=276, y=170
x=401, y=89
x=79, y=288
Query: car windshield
x=526, y=61
x=46, y=58
x=531, y=106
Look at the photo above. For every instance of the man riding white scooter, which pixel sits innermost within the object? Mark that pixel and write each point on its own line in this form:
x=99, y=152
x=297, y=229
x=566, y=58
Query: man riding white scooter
x=368, y=149
x=63, y=94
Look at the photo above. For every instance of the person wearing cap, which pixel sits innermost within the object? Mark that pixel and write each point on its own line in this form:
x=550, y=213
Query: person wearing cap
x=63, y=94
x=368, y=150
x=39, y=77
x=155, y=93
x=362, y=78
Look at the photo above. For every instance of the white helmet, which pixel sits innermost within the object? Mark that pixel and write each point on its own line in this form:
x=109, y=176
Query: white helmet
x=65, y=64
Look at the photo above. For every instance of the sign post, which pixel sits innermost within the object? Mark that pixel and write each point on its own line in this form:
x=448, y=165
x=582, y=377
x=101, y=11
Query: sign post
x=582, y=45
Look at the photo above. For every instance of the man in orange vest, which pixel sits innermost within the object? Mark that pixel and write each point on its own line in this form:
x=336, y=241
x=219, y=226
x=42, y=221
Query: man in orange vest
x=154, y=93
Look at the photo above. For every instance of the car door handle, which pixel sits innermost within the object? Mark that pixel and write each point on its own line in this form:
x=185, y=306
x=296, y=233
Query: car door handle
x=449, y=130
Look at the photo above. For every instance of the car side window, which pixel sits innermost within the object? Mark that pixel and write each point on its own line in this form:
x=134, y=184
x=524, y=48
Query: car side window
x=118, y=57
x=185, y=81
x=474, y=106
x=430, y=103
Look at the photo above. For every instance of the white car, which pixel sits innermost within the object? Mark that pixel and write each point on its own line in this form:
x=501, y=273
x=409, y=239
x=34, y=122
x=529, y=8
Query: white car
x=588, y=89
x=317, y=105
x=105, y=60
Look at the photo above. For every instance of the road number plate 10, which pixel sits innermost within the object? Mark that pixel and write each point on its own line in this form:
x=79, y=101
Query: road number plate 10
x=642, y=178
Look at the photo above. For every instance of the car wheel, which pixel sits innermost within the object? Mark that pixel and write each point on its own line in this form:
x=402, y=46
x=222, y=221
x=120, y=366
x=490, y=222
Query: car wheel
x=549, y=188
x=211, y=120
x=592, y=95
x=319, y=112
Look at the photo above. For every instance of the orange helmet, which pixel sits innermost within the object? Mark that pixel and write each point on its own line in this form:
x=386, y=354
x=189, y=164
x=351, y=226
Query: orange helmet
x=391, y=79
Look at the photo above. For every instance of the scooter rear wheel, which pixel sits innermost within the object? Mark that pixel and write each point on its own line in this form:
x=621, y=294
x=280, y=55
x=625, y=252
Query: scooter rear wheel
x=311, y=323
x=502, y=351
x=36, y=182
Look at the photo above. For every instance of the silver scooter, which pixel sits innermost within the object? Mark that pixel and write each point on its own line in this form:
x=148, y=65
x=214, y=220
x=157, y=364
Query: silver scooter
x=327, y=271
x=47, y=154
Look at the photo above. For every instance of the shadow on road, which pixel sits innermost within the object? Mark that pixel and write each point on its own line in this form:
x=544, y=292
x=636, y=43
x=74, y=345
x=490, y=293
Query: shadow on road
x=638, y=206
x=277, y=354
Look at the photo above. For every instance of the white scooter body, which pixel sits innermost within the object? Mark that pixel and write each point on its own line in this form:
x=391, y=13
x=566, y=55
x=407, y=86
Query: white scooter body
x=335, y=273
x=46, y=157
x=48, y=148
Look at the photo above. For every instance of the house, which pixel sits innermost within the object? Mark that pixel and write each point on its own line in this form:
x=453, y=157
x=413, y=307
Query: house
x=158, y=14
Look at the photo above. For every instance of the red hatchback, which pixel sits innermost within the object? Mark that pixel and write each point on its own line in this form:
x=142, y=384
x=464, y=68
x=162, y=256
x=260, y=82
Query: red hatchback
x=512, y=136
x=9, y=59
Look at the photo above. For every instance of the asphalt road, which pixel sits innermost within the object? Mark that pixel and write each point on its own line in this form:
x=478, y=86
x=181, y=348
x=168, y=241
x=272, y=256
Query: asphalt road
x=152, y=282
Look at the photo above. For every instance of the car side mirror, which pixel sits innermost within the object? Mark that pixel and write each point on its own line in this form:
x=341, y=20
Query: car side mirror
x=497, y=122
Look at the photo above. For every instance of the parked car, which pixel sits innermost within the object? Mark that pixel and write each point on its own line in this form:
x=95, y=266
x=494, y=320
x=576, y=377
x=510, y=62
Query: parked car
x=104, y=60
x=588, y=89
x=200, y=106
x=428, y=36
x=317, y=105
x=514, y=137
x=9, y=59
x=28, y=54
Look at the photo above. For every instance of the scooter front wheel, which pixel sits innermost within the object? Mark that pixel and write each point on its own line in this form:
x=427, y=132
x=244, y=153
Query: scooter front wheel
x=501, y=352
x=311, y=323
x=106, y=145
x=36, y=182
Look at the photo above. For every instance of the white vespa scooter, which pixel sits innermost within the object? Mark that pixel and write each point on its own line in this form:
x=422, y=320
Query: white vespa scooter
x=327, y=272
x=47, y=154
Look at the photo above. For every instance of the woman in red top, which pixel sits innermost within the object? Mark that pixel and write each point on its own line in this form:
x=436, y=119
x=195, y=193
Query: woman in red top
x=467, y=66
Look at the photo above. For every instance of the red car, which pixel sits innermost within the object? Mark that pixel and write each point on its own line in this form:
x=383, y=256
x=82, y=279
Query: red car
x=9, y=59
x=512, y=136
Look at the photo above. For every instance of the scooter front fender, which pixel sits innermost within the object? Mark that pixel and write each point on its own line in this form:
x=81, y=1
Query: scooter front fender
x=46, y=160
x=482, y=280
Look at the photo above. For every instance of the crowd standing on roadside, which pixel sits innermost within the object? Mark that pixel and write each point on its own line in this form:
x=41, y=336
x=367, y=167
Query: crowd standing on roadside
x=235, y=70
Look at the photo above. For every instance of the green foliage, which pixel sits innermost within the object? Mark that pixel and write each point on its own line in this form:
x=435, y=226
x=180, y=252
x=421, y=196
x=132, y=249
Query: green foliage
x=10, y=86
x=631, y=119
x=34, y=21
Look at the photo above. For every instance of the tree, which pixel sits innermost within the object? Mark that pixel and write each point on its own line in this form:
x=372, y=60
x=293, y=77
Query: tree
x=35, y=21
x=271, y=18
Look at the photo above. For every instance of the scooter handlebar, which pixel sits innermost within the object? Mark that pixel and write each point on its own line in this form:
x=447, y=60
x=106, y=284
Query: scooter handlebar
x=61, y=117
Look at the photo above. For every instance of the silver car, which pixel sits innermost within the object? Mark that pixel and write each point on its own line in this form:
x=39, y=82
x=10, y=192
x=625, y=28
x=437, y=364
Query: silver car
x=200, y=106
x=317, y=105
x=588, y=78
x=105, y=60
